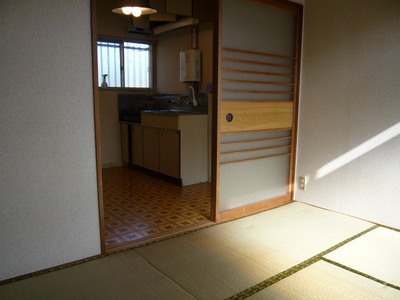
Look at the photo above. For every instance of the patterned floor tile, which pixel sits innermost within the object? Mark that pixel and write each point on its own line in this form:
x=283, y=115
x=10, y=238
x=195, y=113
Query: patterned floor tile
x=138, y=206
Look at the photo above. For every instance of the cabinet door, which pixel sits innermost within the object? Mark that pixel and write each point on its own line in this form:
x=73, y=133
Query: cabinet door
x=137, y=145
x=179, y=7
x=151, y=146
x=170, y=152
x=125, y=151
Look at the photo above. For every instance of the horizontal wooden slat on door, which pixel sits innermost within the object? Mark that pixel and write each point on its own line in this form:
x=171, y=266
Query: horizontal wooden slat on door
x=256, y=115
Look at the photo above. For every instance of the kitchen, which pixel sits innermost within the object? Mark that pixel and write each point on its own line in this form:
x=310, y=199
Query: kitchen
x=169, y=95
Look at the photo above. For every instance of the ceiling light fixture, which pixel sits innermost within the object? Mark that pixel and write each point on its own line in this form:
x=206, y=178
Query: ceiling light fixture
x=133, y=7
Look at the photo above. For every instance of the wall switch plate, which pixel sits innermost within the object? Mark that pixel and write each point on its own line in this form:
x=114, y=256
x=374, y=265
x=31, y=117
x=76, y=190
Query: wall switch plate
x=302, y=183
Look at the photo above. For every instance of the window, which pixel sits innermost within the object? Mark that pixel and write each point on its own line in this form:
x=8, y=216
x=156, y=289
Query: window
x=125, y=64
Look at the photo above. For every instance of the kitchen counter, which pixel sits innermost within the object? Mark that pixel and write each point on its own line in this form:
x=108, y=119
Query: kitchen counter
x=175, y=112
x=167, y=112
x=171, y=119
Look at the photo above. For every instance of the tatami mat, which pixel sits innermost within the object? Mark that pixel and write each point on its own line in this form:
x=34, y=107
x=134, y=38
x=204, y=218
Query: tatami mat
x=376, y=253
x=323, y=280
x=120, y=276
x=271, y=255
x=225, y=259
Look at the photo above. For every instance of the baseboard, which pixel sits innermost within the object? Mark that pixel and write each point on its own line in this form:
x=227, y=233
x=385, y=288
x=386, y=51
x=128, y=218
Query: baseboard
x=253, y=208
x=51, y=269
x=114, y=165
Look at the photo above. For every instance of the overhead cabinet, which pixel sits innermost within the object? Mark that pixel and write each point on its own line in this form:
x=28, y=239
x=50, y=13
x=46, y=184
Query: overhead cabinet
x=168, y=10
x=179, y=7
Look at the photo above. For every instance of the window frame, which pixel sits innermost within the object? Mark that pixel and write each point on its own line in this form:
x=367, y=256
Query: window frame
x=121, y=42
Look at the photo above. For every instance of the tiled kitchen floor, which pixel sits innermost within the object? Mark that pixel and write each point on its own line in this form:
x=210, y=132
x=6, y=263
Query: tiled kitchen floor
x=138, y=206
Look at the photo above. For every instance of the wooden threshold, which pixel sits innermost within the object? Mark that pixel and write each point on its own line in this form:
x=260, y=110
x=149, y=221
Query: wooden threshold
x=253, y=208
x=157, y=238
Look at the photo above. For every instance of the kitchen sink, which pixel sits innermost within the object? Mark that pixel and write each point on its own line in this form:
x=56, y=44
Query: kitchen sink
x=180, y=110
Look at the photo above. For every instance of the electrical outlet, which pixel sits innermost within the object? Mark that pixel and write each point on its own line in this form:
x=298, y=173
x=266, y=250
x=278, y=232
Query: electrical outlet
x=302, y=183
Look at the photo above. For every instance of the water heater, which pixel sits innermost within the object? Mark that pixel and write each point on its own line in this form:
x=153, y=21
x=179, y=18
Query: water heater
x=190, y=65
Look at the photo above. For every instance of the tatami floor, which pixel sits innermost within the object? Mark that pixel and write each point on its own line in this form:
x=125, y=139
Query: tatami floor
x=139, y=207
x=291, y=252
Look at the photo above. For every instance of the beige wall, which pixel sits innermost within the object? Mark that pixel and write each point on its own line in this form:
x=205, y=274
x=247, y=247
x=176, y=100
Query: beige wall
x=349, y=139
x=49, y=212
x=166, y=70
x=168, y=46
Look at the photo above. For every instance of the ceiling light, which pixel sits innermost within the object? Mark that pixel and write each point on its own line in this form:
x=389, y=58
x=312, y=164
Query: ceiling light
x=127, y=10
x=136, y=11
x=133, y=7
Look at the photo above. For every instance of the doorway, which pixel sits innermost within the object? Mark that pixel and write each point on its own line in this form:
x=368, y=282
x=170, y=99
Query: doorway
x=135, y=206
x=244, y=183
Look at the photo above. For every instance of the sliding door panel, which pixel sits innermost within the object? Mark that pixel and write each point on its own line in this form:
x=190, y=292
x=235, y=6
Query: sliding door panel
x=257, y=101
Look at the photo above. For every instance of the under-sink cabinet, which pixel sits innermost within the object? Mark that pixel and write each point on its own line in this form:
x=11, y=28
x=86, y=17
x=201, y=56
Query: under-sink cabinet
x=171, y=144
x=137, y=144
x=161, y=150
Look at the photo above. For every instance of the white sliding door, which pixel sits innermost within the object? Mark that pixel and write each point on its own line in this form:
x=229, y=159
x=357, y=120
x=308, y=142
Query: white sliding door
x=257, y=104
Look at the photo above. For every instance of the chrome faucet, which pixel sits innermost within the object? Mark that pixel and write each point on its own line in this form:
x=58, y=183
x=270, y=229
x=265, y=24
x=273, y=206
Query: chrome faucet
x=194, y=101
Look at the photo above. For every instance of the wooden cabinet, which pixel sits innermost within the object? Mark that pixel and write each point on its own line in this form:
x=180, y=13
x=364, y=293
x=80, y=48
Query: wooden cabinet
x=170, y=152
x=181, y=141
x=173, y=144
x=161, y=150
x=151, y=149
x=137, y=145
x=179, y=7
x=125, y=144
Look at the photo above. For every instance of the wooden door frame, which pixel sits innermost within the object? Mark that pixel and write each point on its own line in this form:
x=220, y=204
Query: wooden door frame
x=96, y=105
x=216, y=216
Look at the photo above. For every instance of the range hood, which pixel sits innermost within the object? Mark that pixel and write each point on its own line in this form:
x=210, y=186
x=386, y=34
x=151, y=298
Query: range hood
x=175, y=25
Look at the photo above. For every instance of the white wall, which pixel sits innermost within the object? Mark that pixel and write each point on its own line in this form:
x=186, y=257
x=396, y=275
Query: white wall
x=48, y=196
x=349, y=139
